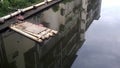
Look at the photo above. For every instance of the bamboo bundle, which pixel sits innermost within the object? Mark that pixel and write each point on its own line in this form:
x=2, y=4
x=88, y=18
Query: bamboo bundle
x=26, y=34
x=33, y=31
x=44, y=36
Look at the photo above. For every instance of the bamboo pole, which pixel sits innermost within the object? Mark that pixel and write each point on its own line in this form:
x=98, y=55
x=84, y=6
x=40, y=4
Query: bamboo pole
x=44, y=35
x=55, y=32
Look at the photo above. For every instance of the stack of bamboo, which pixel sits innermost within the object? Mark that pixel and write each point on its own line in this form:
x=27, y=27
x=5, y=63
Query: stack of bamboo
x=36, y=32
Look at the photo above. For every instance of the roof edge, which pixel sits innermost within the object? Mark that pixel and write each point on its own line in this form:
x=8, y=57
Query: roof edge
x=19, y=11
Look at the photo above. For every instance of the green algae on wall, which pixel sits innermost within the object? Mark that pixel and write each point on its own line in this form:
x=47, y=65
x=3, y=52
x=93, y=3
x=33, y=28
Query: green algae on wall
x=55, y=8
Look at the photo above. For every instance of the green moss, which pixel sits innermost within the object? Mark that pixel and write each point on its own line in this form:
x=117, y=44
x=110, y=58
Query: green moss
x=56, y=8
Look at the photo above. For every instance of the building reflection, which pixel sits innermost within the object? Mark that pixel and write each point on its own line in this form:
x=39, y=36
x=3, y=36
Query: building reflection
x=69, y=18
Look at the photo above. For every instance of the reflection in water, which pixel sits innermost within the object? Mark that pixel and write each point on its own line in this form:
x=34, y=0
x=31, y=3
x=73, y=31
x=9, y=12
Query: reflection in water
x=102, y=46
x=70, y=18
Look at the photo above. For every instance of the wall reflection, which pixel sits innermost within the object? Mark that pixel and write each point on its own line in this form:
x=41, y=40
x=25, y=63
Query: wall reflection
x=71, y=18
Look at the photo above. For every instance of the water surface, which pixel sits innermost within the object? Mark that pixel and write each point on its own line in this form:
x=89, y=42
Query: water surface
x=102, y=46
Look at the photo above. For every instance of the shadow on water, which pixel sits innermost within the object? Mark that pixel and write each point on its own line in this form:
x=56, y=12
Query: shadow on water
x=102, y=46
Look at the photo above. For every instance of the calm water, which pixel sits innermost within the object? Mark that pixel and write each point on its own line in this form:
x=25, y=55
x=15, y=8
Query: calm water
x=102, y=46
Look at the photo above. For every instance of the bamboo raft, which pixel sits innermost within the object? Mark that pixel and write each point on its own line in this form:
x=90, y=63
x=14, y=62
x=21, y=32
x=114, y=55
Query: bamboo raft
x=35, y=32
